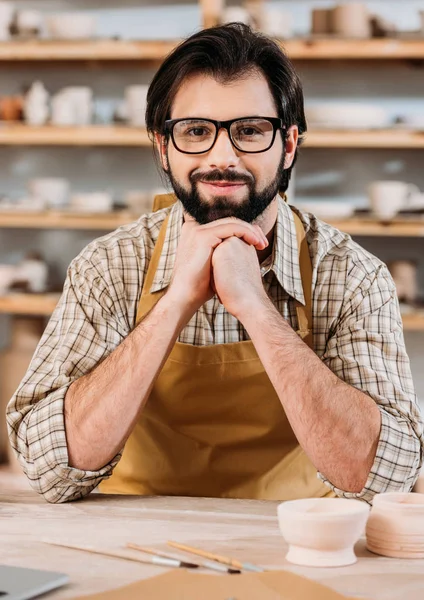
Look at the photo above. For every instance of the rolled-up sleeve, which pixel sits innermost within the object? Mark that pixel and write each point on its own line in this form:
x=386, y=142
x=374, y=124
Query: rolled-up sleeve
x=367, y=350
x=85, y=327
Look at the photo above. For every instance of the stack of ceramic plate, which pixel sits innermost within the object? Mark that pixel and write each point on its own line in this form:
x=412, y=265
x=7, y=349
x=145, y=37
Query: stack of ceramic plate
x=396, y=525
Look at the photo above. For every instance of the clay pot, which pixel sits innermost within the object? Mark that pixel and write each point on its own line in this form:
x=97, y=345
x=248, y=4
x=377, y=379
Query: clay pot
x=11, y=108
x=396, y=525
x=321, y=532
x=322, y=21
x=352, y=20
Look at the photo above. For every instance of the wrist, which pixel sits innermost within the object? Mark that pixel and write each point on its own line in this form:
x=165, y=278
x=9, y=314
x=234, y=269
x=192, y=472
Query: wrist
x=252, y=307
x=179, y=304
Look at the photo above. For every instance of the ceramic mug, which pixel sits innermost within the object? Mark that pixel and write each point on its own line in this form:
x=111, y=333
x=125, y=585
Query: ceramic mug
x=352, y=20
x=387, y=198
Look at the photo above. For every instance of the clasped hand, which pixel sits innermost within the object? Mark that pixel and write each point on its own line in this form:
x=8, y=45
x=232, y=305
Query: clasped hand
x=220, y=258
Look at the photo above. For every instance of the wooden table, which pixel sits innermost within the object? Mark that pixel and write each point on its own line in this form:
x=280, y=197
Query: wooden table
x=246, y=529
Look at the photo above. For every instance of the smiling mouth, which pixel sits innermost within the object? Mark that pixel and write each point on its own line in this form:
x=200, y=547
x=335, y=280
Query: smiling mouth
x=225, y=183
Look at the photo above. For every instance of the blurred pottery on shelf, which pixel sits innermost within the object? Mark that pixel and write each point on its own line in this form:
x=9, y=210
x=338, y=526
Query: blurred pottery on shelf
x=52, y=190
x=136, y=102
x=71, y=26
x=7, y=11
x=277, y=23
x=11, y=108
x=387, y=198
x=36, y=104
x=7, y=277
x=327, y=210
x=138, y=201
x=92, y=202
x=351, y=20
x=321, y=532
x=29, y=23
x=404, y=273
x=347, y=115
x=32, y=274
x=236, y=14
x=322, y=21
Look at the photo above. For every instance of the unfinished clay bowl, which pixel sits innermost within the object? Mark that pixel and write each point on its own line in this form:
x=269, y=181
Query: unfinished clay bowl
x=395, y=527
x=321, y=532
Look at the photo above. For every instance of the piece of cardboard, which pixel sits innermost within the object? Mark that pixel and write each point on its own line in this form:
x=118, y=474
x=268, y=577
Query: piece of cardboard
x=184, y=585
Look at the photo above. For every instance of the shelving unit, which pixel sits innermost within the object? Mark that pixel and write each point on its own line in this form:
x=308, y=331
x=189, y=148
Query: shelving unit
x=19, y=134
x=44, y=304
x=108, y=221
x=313, y=48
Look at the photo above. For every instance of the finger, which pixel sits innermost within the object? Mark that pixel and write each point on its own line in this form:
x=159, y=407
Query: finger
x=234, y=220
x=251, y=235
x=247, y=236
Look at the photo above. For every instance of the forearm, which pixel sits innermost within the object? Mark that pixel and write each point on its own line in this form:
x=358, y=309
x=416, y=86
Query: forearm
x=337, y=425
x=102, y=407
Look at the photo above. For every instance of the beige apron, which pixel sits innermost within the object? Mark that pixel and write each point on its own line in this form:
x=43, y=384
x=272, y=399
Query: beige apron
x=213, y=424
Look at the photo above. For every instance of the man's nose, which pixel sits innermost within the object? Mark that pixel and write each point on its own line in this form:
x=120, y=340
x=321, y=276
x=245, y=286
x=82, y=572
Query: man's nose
x=223, y=154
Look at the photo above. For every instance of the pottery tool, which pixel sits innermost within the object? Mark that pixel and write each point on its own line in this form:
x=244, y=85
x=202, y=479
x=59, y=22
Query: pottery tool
x=153, y=560
x=225, y=560
x=205, y=564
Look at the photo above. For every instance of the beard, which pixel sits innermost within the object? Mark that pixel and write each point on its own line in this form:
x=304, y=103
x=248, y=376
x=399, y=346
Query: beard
x=248, y=210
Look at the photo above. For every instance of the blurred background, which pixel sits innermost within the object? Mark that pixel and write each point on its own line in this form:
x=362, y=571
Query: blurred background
x=75, y=161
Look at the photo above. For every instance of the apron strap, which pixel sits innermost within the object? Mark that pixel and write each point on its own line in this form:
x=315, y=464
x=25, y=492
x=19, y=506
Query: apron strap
x=303, y=313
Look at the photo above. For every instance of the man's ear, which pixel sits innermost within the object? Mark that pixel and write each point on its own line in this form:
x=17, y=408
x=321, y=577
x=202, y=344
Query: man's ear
x=161, y=149
x=291, y=145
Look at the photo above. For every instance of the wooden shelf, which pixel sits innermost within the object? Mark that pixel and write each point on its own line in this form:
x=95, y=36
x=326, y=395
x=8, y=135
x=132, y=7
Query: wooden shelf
x=28, y=304
x=98, y=50
x=65, y=220
x=350, y=49
x=369, y=227
x=155, y=50
x=94, y=135
x=18, y=134
x=43, y=305
x=109, y=221
x=379, y=138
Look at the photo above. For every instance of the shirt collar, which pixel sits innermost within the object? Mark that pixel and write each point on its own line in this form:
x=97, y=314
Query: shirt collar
x=284, y=260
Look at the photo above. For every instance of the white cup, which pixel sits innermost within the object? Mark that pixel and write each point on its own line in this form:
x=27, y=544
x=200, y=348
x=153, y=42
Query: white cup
x=136, y=100
x=387, y=198
x=54, y=191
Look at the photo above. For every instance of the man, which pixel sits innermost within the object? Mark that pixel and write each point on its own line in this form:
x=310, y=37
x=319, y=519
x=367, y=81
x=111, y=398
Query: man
x=227, y=344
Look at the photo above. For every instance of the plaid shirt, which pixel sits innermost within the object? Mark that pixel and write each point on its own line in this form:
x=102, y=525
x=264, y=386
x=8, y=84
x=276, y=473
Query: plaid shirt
x=356, y=323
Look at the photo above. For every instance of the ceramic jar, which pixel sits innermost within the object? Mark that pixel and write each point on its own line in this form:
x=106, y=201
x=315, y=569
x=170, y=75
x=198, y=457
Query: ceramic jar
x=395, y=527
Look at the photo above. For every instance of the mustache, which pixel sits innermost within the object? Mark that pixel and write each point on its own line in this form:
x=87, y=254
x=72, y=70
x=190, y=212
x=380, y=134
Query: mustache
x=217, y=175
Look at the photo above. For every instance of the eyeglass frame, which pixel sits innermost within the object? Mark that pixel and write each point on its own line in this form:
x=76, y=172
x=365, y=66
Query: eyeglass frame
x=276, y=123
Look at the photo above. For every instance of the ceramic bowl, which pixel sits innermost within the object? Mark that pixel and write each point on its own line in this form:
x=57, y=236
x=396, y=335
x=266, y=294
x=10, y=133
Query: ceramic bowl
x=321, y=532
x=327, y=211
x=396, y=525
x=71, y=26
x=92, y=202
x=53, y=190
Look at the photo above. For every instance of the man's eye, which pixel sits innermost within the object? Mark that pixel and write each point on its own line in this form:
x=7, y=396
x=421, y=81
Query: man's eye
x=248, y=131
x=197, y=131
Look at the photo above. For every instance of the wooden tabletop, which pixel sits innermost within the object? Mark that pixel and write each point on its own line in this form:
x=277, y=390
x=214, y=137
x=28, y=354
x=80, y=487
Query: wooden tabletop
x=246, y=529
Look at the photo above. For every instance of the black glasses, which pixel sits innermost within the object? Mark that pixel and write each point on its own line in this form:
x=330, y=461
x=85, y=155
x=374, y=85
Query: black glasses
x=248, y=134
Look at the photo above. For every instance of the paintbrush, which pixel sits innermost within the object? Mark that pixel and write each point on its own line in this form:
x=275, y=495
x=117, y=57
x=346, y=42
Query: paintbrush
x=153, y=560
x=206, y=564
x=225, y=560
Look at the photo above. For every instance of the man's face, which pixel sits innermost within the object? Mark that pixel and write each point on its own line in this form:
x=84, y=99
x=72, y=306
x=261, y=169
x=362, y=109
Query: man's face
x=225, y=182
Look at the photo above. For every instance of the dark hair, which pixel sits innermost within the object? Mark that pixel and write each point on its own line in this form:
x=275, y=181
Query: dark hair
x=228, y=52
